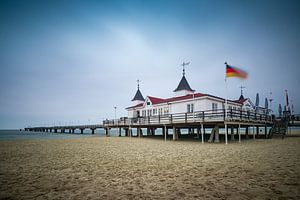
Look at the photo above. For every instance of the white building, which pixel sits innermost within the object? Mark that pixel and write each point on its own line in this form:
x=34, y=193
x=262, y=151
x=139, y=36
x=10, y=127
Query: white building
x=185, y=100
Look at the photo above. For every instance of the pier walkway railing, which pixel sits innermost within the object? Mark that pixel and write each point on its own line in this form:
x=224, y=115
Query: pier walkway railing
x=194, y=117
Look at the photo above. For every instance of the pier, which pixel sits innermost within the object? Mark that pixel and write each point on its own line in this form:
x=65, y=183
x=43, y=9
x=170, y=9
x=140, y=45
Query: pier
x=196, y=123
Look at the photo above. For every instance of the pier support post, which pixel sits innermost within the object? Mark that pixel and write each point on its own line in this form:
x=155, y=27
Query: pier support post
x=202, y=134
x=93, y=131
x=257, y=131
x=55, y=130
x=212, y=134
x=130, y=131
x=226, y=133
x=217, y=134
x=198, y=133
x=239, y=132
x=73, y=130
x=69, y=130
x=266, y=131
x=253, y=130
x=126, y=132
x=232, y=133
x=107, y=132
x=120, y=132
x=139, y=132
x=165, y=132
x=175, y=133
x=81, y=130
x=247, y=132
x=148, y=131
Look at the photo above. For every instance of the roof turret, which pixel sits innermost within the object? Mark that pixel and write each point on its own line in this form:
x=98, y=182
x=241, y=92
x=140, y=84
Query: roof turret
x=183, y=84
x=138, y=95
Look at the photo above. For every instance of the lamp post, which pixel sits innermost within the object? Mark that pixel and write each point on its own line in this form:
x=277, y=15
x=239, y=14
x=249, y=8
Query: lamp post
x=115, y=112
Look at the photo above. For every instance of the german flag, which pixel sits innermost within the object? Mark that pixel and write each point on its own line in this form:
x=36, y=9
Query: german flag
x=235, y=72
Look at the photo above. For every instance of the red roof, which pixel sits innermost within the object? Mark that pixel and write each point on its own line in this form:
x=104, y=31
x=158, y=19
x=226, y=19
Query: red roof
x=138, y=105
x=155, y=100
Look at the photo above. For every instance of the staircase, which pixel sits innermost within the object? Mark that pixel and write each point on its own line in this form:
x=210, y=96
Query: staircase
x=279, y=128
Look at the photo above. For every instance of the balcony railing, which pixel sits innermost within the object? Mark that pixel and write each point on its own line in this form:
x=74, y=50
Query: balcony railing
x=201, y=116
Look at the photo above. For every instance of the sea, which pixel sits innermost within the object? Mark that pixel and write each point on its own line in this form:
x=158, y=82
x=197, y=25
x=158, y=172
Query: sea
x=26, y=135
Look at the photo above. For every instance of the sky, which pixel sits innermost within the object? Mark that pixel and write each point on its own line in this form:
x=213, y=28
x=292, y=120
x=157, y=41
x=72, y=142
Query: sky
x=72, y=62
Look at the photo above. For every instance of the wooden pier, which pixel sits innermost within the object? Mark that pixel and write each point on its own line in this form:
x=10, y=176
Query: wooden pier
x=196, y=123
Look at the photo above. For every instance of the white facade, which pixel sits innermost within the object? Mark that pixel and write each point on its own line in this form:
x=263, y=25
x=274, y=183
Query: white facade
x=187, y=105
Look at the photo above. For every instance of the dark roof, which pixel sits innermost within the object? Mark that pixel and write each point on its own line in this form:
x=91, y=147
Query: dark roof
x=138, y=96
x=183, y=85
x=241, y=97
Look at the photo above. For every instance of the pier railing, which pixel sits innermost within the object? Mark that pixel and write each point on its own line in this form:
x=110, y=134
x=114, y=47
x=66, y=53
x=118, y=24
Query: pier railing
x=200, y=116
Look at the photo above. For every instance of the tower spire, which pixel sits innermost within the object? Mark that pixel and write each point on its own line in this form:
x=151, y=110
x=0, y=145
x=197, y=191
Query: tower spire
x=138, y=95
x=242, y=96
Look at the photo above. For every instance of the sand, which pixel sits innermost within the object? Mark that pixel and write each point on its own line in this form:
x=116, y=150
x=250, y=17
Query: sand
x=133, y=168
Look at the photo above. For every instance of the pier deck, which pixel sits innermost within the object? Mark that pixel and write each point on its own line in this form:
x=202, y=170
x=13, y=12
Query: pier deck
x=215, y=119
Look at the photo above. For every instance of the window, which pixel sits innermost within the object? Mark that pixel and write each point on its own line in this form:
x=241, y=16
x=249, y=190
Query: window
x=229, y=107
x=166, y=110
x=190, y=108
x=154, y=111
x=160, y=111
x=143, y=113
x=214, y=106
x=148, y=103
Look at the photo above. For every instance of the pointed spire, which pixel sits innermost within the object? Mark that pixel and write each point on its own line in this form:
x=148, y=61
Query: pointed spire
x=138, y=95
x=242, y=96
x=183, y=84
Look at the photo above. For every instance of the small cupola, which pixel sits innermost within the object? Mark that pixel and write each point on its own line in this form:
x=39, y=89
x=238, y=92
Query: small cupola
x=138, y=97
x=183, y=87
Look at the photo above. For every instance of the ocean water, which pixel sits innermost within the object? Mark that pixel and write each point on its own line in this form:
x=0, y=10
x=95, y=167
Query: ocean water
x=25, y=135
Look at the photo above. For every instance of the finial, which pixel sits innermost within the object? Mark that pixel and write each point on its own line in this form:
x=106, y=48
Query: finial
x=225, y=63
x=138, y=84
x=184, y=64
x=242, y=87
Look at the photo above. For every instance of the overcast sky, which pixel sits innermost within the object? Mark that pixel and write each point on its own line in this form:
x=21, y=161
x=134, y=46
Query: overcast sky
x=68, y=62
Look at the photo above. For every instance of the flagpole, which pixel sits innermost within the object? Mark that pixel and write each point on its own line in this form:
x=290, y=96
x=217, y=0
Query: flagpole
x=226, y=141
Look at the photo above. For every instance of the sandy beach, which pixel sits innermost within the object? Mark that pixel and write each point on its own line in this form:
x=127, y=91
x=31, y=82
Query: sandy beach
x=144, y=168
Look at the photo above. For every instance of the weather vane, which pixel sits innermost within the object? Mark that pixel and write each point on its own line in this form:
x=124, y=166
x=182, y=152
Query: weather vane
x=183, y=65
x=242, y=87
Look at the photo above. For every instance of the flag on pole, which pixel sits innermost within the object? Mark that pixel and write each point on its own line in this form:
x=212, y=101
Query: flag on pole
x=235, y=72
